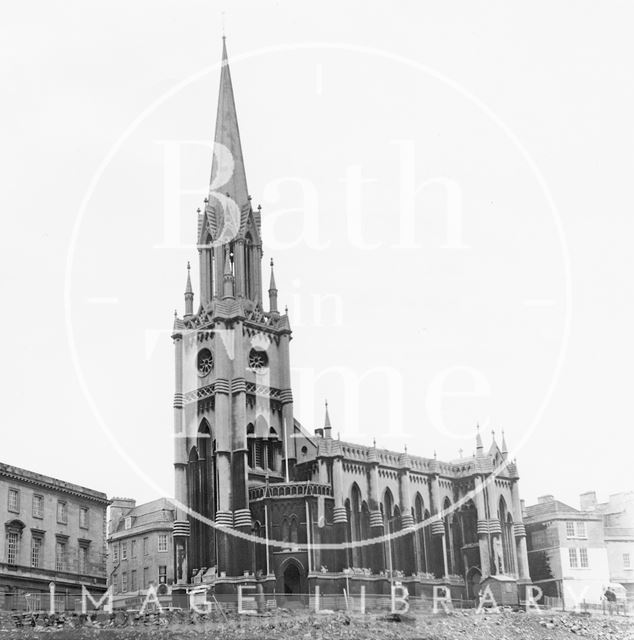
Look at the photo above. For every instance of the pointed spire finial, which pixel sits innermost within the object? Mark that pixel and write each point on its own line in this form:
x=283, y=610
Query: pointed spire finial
x=460, y=451
x=327, y=424
x=227, y=134
x=272, y=291
x=189, y=293
x=374, y=442
x=505, y=449
x=479, y=445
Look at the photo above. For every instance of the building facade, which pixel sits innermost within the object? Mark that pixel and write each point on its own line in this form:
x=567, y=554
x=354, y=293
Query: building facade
x=618, y=529
x=140, y=549
x=567, y=553
x=264, y=502
x=53, y=532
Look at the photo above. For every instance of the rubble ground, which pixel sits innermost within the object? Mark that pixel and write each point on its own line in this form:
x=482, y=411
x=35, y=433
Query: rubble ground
x=304, y=625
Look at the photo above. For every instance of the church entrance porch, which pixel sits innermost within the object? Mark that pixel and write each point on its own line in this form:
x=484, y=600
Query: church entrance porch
x=291, y=578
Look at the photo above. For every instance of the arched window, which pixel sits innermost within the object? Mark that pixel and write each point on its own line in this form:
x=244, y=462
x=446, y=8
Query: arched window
x=469, y=523
x=248, y=266
x=204, y=440
x=285, y=530
x=422, y=534
x=273, y=447
x=365, y=534
x=388, y=508
x=448, y=520
x=250, y=445
x=294, y=532
x=355, y=512
x=508, y=542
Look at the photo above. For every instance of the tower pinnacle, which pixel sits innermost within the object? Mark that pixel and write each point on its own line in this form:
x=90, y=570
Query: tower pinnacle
x=505, y=449
x=189, y=294
x=272, y=292
x=327, y=425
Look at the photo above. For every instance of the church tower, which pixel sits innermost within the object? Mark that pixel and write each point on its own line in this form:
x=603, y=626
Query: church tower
x=262, y=502
x=233, y=408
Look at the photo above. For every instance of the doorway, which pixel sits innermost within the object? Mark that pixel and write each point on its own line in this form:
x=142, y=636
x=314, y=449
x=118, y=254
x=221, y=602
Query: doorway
x=473, y=583
x=292, y=580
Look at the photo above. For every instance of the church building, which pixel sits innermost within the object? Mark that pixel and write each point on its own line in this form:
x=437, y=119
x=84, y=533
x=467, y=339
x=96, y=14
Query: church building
x=260, y=500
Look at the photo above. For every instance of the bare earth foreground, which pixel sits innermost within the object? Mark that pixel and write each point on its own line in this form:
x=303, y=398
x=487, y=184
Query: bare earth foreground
x=333, y=626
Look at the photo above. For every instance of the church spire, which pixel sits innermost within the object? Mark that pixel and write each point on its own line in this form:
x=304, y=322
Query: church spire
x=327, y=425
x=189, y=294
x=227, y=134
x=272, y=292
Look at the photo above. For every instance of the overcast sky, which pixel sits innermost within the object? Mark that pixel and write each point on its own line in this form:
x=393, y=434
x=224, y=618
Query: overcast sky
x=497, y=292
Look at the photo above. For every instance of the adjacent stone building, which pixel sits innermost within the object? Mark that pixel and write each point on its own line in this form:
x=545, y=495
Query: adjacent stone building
x=618, y=530
x=52, y=532
x=567, y=554
x=261, y=501
x=140, y=549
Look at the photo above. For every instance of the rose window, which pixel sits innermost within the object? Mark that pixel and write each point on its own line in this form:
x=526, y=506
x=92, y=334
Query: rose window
x=258, y=360
x=205, y=362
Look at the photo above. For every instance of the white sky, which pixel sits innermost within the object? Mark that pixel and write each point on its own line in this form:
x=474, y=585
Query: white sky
x=75, y=75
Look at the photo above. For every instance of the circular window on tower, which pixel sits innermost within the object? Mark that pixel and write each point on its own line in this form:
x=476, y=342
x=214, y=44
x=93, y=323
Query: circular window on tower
x=258, y=360
x=205, y=362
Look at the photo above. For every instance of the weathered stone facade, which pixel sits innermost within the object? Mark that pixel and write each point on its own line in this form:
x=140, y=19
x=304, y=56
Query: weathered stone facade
x=52, y=532
x=261, y=501
x=140, y=550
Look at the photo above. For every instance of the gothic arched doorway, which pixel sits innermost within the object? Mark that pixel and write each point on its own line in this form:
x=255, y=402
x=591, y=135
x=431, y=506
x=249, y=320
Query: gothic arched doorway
x=292, y=580
x=473, y=583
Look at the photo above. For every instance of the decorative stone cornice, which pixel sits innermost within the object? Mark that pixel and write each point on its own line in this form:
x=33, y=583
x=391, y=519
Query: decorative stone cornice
x=52, y=484
x=289, y=490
